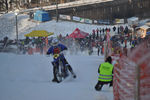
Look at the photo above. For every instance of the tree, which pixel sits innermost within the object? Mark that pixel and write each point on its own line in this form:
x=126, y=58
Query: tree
x=4, y=5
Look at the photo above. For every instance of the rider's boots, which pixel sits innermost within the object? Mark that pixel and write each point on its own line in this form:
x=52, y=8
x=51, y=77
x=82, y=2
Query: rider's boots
x=54, y=73
x=74, y=75
x=54, y=79
x=70, y=69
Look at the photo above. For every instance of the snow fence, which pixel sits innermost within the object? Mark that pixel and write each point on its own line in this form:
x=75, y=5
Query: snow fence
x=132, y=74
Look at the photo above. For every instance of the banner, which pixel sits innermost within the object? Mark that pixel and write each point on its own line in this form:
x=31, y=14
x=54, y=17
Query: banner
x=82, y=20
x=76, y=18
x=66, y=17
x=88, y=21
x=95, y=21
x=107, y=22
x=119, y=21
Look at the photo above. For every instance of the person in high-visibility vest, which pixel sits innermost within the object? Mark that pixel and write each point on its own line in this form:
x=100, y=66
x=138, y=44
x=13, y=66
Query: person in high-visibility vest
x=105, y=71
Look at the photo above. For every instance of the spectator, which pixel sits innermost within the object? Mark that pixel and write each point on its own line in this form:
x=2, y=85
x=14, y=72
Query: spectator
x=98, y=50
x=118, y=30
x=105, y=71
x=103, y=30
x=126, y=30
x=114, y=28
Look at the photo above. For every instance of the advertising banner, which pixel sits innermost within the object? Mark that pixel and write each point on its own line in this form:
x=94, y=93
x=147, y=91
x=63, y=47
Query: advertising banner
x=88, y=21
x=66, y=17
x=95, y=21
x=107, y=22
x=76, y=18
x=119, y=21
x=82, y=20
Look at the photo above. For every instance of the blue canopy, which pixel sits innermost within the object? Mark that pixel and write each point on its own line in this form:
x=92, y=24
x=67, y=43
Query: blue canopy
x=148, y=33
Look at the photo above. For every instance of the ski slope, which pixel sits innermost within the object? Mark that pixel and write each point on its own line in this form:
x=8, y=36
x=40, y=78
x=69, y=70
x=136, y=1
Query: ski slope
x=28, y=77
x=8, y=26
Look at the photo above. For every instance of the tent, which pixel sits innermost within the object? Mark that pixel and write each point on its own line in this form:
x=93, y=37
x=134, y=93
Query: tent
x=42, y=16
x=39, y=33
x=142, y=30
x=78, y=34
x=133, y=21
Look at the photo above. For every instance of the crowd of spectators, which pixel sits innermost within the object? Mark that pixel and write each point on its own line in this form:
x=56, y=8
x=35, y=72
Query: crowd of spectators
x=122, y=36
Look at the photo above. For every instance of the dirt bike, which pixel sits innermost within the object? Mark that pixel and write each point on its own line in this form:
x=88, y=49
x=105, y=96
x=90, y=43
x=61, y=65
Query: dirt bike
x=60, y=69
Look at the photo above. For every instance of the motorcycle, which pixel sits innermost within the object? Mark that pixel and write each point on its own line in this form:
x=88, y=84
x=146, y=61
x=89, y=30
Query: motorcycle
x=60, y=69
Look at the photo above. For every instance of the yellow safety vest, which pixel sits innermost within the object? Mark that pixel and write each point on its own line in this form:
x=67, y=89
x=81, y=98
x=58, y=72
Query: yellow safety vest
x=105, y=70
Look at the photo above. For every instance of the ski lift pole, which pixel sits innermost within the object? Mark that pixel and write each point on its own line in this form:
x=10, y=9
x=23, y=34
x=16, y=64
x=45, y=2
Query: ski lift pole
x=16, y=27
x=17, y=30
x=57, y=11
x=137, y=83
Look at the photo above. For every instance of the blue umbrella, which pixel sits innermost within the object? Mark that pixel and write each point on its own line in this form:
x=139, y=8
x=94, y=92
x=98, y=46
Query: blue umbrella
x=148, y=33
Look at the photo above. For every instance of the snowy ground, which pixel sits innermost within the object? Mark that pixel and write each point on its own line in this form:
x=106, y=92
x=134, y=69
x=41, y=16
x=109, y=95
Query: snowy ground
x=25, y=77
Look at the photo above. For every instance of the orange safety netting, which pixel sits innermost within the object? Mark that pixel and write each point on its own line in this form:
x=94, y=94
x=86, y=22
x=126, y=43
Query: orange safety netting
x=125, y=72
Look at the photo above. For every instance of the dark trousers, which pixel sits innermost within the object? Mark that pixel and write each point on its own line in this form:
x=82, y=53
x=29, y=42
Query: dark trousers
x=100, y=84
x=55, y=69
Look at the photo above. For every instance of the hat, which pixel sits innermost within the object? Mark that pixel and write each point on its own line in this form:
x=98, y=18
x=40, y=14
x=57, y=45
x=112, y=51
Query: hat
x=109, y=59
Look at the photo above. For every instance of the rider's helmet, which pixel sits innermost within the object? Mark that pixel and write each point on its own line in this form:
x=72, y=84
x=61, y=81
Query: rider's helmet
x=55, y=41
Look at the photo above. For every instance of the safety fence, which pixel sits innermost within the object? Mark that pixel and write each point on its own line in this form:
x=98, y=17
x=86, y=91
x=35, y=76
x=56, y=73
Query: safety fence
x=132, y=74
x=32, y=51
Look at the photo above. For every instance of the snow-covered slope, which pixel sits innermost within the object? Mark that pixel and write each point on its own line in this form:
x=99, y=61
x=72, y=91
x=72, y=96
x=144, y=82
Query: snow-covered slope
x=8, y=26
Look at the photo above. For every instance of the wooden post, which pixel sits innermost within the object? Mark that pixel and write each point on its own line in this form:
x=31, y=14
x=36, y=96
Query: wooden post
x=57, y=11
x=105, y=50
x=137, y=83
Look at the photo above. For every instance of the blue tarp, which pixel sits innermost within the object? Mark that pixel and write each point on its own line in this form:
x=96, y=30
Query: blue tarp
x=41, y=16
x=148, y=33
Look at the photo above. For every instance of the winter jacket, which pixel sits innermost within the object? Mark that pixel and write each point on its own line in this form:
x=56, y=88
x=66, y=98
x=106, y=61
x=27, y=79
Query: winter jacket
x=56, y=52
x=61, y=47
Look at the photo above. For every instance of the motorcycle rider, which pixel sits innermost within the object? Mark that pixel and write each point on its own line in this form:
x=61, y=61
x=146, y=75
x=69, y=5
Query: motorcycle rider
x=56, y=50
